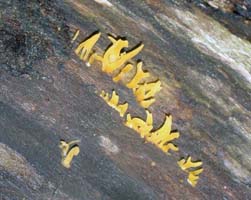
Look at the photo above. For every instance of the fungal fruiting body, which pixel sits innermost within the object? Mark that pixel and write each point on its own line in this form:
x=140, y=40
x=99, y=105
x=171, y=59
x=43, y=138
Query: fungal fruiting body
x=66, y=161
x=113, y=102
x=75, y=36
x=68, y=151
x=140, y=74
x=140, y=126
x=193, y=175
x=84, y=49
x=163, y=136
x=122, y=72
x=188, y=163
x=113, y=58
x=145, y=93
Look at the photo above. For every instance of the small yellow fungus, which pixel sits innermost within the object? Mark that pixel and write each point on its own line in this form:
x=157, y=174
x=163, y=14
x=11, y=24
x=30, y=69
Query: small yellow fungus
x=122, y=109
x=163, y=136
x=84, y=49
x=66, y=161
x=112, y=58
x=188, y=163
x=68, y=151
x=122, y=72
x=113, y=102
x=193, y=177
x=139, y=125
x=75, y=36
x=140, y=74
x=104, y=95
x=147, y=90
x=146, y=103
x=145, y=93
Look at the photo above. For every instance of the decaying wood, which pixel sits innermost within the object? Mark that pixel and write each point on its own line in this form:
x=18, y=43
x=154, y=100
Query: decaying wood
x=199, y=50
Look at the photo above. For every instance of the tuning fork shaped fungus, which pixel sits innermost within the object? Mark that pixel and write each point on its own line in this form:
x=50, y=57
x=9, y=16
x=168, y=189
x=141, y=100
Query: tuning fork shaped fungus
x=68, y=151
x=163, y=136
x=140, y=126
x=122, y=72
x=145, y=93
x=84, y=49
x=113, y=58
x=113, y=102
x=139, y=76
x=193, y=175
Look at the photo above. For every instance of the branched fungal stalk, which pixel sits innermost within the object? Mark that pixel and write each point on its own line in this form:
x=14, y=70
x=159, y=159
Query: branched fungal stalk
x=84, y=49
x=164, y=136
x=68, y=151
x=193, y=174
x=113, y=102
x=140, y=126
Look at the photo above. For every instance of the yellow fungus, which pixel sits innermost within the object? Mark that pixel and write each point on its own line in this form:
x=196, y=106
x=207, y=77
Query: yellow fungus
x=84, y=49
x=193, y=177
x=75, y=36
x=64, y=146
x=188, y=163
x=104, y=95
x=147, y=90
x=66, y=161
x=147, y=103
x=140, y=126
x=113, y=58
x=145, y=93
x=68, y=151
x=140, y=74
x=119, y=76
x=163, y=136
x=113, y=102
x=122, y=109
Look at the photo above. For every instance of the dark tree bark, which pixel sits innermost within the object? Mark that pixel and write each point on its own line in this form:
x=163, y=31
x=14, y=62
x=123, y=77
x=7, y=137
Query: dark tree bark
x=201, y=52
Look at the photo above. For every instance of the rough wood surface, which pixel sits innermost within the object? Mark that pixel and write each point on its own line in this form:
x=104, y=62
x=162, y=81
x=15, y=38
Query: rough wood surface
x=201, y=52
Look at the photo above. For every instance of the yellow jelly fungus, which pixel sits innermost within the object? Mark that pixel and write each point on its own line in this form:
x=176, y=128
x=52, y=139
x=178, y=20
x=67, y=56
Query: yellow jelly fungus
x=75, y=36
x=140, y=74
x=147, y=90
x=104, y=96
x=64, y=146
x=139, y=125
x=122, y=109
x=68, y=151
x=163, y=136
x=147, y=103
x=113, y=59
x=193, y=177
x=113, y=102
x=122, y=72
x=84, y=49
x=66, y=161
x=188, y=163
x=145, y=93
